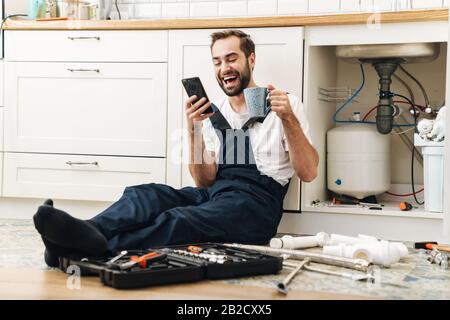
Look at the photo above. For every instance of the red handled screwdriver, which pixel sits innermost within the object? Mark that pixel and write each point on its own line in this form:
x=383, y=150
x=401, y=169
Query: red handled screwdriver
x=143, y=261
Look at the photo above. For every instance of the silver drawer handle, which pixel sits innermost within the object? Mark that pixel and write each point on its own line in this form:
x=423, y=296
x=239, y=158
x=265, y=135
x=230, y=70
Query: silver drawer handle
x=84, y=70
x=84, y=38
x=95, y=163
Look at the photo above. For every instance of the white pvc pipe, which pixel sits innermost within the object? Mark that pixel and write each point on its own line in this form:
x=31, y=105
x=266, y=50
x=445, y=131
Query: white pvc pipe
x=290, y=242
x=336, y=239
x=377, y=252
x=364, y=247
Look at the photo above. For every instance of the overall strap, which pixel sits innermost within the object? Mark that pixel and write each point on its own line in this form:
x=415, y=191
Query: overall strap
x=218, y=121
x=236, y=148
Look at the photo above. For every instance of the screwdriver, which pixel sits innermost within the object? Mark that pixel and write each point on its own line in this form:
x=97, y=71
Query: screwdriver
x=195, y=249
x=405, y=206
x=143, y=261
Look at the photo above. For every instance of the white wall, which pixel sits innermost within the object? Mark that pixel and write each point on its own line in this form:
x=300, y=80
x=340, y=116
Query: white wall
x=15, y=6
x=140, y=9
x=234, y=8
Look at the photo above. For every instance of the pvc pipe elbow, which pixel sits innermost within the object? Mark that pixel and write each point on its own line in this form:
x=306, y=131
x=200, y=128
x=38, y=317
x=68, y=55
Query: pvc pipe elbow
x=402, y=249
x=387, y=253
x=380, y=252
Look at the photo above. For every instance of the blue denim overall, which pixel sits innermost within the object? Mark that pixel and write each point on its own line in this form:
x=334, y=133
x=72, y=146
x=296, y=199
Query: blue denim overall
x=242, y=205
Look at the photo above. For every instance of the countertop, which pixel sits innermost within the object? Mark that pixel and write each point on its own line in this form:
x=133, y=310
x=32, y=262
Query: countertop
x=246, y=22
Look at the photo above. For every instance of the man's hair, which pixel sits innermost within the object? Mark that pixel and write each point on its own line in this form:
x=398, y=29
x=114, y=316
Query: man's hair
x=247, y=44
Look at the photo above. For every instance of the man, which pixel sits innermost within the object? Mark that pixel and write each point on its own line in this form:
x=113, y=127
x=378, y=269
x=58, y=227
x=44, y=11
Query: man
x=237, y=199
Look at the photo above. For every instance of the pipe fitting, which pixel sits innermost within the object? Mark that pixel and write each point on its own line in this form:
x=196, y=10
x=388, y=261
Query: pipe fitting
x=290, y=242
x=378, y=252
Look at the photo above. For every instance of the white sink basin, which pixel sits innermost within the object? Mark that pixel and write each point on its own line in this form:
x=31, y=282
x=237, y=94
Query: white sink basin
x=409, y=52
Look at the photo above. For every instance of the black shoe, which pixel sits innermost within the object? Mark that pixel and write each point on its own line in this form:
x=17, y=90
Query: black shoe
x=50, y=259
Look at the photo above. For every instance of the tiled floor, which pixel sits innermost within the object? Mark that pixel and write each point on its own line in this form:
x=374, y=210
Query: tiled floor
x=412, y=278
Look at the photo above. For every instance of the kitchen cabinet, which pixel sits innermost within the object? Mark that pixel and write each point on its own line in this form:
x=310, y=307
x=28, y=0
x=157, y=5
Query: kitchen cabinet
x=76, y=177
x=1, y=129
x=1, y=124
x=86, y=108
x=279, y=54
x=84, y=118
x=1, y=105
x=323, y=71
x=86, y=46
x=1, y=84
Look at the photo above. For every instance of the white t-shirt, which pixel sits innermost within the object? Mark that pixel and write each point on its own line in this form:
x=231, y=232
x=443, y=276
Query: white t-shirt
x=269, y=143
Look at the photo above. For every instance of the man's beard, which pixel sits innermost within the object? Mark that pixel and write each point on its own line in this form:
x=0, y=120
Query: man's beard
x=243, y=81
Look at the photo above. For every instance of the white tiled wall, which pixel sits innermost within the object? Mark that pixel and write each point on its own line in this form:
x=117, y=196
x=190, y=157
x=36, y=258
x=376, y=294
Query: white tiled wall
x=141, y=9
x=243, y=8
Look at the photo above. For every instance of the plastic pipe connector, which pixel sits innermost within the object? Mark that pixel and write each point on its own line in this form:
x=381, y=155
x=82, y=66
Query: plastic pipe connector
x=401, y=248
x=290, y=242
x=336, y=239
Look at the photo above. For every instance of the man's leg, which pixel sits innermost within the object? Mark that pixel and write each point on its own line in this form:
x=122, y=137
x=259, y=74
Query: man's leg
x=138, y=207
x=233, y=217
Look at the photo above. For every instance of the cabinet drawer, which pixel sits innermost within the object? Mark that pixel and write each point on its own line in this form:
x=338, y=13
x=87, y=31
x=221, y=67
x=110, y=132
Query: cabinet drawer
x=107, y=46
x=86, y=108
x=1, y=128
x=1, y=84
x=1, y=172
x=77, y=177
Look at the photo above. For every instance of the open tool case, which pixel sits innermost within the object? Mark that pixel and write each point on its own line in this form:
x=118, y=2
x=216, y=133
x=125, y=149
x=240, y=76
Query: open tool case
x=174, y=264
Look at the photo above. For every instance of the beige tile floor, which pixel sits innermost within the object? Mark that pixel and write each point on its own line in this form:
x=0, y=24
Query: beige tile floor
x=22, y=267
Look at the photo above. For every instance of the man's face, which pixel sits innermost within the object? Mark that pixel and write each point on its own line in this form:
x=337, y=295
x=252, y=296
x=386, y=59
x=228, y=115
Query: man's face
x=233, y=70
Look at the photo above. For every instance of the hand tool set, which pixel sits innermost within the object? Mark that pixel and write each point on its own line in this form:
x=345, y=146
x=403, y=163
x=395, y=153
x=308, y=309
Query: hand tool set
x=174, y=264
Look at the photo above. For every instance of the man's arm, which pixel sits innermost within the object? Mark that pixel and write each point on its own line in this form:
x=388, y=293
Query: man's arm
x=202, y=164
x=303, y=156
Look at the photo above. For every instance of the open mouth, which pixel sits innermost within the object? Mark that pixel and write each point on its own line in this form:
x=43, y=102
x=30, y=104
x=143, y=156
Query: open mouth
x=230, y=80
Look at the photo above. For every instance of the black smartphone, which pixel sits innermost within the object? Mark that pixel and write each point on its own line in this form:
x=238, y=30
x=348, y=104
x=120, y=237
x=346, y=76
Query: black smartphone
x=193, y=86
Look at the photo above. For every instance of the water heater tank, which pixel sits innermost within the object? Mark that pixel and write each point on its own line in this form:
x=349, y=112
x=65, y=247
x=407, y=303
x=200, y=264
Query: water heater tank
x=358, y=161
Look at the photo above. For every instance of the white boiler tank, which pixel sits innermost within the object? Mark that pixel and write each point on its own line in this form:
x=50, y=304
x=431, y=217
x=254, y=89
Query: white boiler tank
x=358, y=161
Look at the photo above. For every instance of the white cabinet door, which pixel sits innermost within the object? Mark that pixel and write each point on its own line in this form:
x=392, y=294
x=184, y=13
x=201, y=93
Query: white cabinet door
x=279, y=56
x=77, y=177
x=1, y=173
x=86, y=45
x=1, y=84
x=86, y=108
x=1, y=128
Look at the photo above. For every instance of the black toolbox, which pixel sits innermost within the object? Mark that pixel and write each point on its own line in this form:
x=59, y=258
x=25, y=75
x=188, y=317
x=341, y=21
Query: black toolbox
x=174, y=264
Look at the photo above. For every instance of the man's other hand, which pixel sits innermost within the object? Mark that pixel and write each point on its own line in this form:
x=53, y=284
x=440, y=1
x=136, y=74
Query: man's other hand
x=280, y=103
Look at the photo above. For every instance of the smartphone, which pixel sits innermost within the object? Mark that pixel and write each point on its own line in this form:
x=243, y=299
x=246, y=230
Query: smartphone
x=193, y=86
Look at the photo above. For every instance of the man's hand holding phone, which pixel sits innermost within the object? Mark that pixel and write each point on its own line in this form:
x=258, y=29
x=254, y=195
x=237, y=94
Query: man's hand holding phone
x=196, y=111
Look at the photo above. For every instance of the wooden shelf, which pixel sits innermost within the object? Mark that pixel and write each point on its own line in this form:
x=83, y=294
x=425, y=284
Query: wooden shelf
x=390, y=209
